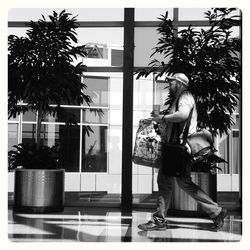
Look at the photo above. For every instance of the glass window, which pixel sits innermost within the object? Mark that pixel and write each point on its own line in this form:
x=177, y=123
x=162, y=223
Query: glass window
x=143, y=98
x=234, y=31
x=229, y=149
x=71, y=115
x=28, y=133
x=95, y=116
x=100, y=42
x=94, y=150
x=192, y=14
x=224, y=152
x=161, y=93
x=195, y=28
x=97, y=89
x=12, y=135
x=197, y=14
x=68, y=139
x=151, y=14
x=236, y=152
x=146, y=38
x=236, y=122
x=29, y=116
x=14, y=119
x=116, y=57
x=17, y=31
x=100, y=36
x=82, y=14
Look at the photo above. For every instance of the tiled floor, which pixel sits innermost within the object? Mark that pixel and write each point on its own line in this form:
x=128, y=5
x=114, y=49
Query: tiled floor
x=111, y=225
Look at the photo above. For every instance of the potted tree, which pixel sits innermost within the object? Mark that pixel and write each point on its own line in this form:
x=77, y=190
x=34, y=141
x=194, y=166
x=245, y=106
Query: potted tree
x=42, y=75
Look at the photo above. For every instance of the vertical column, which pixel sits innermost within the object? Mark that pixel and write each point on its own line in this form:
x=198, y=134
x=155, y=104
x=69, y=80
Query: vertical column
x=127, y=130
x=175, y=21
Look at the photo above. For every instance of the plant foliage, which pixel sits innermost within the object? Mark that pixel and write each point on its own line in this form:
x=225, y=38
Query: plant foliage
x=30, y=157
x=210, y=58
x=41, y=69
x=43, y=74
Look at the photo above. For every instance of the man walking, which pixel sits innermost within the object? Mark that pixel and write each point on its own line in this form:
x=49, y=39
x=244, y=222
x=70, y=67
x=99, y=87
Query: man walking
x=183, y=99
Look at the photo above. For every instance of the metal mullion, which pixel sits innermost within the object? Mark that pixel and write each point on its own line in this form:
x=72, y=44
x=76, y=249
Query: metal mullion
x=13, y=122
x=95, y=124
x=176, y=21
x=108, y=126
x=231, y=159
x=19, y=131
x=29, y=122
x=120, y=24
x=104, y=69
x=103, y=24
x=96, y=77
x=21, y=128
x=94, y=107
x=217, y=153
x=71, y=106
x=127, y=118
x=82, y=24
x=55, y=123
x=80, y=150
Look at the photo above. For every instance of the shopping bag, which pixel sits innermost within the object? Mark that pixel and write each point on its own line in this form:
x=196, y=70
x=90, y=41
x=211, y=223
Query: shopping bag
x=203, y=152
x=148, y=143
x=200, y=140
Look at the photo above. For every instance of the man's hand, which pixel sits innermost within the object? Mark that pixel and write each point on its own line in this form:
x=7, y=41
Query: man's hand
x=156, y=117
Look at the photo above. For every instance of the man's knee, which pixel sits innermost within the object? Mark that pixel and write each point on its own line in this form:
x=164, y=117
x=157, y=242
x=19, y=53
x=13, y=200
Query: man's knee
x=184, y=180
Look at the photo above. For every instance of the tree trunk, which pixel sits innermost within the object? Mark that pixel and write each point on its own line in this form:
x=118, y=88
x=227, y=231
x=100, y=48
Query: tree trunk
x=38, y=128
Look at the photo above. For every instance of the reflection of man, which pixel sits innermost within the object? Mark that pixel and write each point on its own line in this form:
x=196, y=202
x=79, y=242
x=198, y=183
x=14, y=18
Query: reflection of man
x=178, y=87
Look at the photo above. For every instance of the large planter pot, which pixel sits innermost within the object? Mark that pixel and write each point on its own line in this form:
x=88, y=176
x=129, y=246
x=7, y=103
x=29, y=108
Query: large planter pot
x=39, y=190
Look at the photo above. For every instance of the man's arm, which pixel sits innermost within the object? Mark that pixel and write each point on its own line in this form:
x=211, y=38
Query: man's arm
x=178, y=116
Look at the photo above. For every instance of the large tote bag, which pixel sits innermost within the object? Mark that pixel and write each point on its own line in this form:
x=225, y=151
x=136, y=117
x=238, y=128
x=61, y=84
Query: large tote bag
x=148, y=143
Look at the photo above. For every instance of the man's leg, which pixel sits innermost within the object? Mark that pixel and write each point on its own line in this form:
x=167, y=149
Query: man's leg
x=208, y=205
x=158, y=221
x=165, y=190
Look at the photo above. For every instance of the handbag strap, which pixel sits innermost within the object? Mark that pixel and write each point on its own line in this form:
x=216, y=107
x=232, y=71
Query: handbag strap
x=187, y=124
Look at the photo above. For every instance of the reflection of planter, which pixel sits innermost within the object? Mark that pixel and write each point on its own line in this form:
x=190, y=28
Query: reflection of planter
x=39, y=190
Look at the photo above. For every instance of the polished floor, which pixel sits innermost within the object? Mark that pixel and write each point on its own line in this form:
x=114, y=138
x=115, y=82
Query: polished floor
x=111, y=225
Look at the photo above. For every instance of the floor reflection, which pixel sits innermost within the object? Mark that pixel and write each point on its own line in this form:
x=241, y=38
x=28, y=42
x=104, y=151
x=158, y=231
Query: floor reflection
x=112, y=225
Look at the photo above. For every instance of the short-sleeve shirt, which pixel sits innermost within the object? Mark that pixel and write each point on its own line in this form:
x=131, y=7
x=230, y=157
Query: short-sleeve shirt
x=186, y=99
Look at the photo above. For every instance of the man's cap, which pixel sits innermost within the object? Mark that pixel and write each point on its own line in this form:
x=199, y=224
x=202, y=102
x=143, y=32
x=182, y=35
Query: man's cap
x=179, y=77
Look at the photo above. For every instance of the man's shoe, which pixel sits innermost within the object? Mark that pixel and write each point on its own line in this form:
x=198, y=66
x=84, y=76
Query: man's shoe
x=219, y=220
x=152, y=226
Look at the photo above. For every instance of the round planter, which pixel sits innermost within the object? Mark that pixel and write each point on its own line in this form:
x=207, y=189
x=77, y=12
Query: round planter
x=39, y=190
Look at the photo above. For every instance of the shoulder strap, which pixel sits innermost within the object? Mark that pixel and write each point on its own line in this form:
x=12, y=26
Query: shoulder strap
x=187, y=124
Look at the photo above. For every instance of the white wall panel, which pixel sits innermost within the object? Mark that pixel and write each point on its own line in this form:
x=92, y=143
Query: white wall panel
x=108, y=182
x=88, y=182
x=11, y=182
x=72, y=182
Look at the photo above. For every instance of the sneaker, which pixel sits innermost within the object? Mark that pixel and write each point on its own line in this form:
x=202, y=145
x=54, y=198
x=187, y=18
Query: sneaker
x=152, y=226
x=219, y=220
